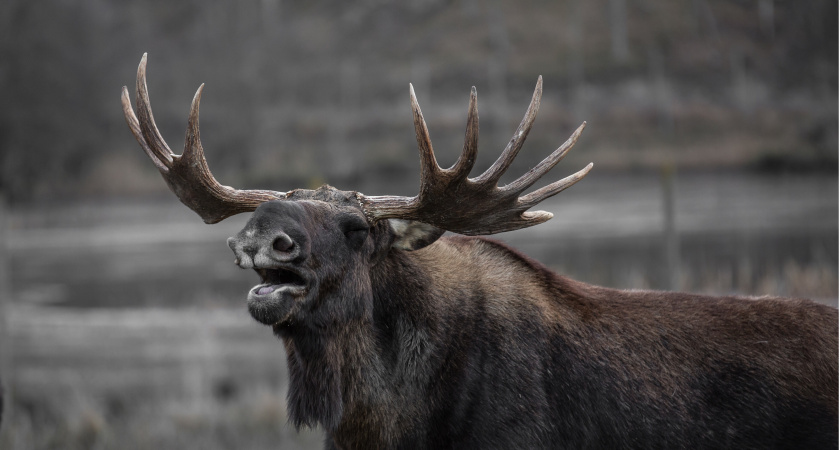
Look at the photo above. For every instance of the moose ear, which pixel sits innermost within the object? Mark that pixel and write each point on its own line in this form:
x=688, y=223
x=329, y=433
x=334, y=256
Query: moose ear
x=412, y=235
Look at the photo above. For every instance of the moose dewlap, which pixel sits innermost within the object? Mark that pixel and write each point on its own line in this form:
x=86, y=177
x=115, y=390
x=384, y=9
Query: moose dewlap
x=397, y=337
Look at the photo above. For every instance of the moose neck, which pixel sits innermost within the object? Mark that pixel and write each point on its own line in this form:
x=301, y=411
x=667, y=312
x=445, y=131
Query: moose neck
x=328, y=367
x=339, y=374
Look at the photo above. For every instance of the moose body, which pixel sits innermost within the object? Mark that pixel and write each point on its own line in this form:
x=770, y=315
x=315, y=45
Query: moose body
x=397, y=337
x=466, y=343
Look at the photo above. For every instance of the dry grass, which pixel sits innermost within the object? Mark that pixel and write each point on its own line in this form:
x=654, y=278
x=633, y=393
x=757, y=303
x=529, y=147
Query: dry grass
x=138, y=379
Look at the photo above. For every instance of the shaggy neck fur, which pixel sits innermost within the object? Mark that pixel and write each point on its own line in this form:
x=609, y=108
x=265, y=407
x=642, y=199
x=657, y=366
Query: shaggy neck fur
x=358, y=379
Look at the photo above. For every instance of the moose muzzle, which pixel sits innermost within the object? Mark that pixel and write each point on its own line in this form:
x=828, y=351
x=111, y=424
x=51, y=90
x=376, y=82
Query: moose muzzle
x=275, y=244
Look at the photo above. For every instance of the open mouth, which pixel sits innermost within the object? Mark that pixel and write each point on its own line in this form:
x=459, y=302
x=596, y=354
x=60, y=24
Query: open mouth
x=279, y=280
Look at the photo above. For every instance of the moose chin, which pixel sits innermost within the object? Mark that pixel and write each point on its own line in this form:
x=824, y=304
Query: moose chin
x=397, y=337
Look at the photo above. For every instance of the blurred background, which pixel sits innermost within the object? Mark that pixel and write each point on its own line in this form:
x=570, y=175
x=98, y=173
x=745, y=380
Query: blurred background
x=713, y=126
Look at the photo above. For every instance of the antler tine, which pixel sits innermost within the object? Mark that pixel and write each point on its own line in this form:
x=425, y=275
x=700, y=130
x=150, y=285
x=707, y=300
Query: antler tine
x=461, y=169
x=492, y=175
x=531, y=177
x=529, y=200
x=134, y=125
x=147, y=120
x=193, y=151
x=187, y=175
x=428, y=164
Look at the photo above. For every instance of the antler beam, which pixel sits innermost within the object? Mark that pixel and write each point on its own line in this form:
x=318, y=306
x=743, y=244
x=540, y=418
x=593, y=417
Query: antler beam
x=448, y=199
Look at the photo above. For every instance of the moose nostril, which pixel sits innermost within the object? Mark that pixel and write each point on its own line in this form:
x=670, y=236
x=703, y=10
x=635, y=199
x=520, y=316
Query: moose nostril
x=283, y=243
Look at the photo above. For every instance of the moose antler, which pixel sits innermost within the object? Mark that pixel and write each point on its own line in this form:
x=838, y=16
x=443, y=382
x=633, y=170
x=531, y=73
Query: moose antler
x=187, y=174
x=450, y=200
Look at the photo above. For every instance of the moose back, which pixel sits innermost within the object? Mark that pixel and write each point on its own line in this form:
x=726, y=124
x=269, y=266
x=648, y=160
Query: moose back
x=397, y=337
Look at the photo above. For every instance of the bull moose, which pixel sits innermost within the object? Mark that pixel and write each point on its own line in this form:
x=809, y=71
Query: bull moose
x=397, y=337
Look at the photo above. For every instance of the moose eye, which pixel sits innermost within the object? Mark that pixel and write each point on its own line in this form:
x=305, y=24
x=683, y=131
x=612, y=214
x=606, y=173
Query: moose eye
x=357, y=236
x=355, y=229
